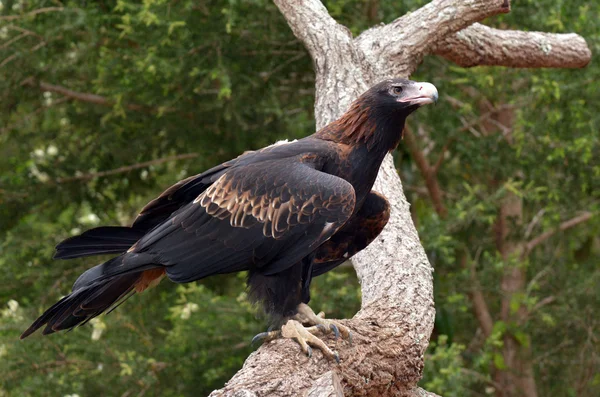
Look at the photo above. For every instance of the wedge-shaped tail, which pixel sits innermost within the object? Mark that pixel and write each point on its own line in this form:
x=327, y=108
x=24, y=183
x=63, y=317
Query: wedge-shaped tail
x=99, y=289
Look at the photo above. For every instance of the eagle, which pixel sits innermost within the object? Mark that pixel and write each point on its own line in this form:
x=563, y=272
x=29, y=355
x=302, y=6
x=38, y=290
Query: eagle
x=284, y=214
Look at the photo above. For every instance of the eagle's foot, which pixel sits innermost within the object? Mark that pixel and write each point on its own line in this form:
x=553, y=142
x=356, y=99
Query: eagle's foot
x=307, y=316
x=305, y=337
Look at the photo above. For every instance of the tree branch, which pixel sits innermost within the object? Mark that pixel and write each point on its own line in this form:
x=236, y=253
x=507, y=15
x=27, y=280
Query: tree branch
x=121, y=170
x=301, y=14
x=398, y=47
x=481, y=45
x=440, y=160
x=562, y=227
x=427, y=172
x=31, y=13
x=480, y=307
x=95, y=99
x=335, y=56
x=391, y=331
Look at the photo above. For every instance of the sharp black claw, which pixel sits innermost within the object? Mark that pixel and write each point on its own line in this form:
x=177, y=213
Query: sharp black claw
x=337, y=357
x=309, y=351
x=259, y=337
x=335, y=330
x=322, y=328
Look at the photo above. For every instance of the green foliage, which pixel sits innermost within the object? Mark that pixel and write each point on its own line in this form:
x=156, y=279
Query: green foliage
x=548, y=158
x=217, y=78
x=444, y=373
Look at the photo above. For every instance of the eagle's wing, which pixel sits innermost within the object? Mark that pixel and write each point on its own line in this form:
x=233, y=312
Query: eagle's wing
x=176, y=196
x=266, y=216
x=118, y=239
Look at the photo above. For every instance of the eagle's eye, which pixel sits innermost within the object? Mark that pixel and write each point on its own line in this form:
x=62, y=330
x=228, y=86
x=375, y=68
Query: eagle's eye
x=397, y=90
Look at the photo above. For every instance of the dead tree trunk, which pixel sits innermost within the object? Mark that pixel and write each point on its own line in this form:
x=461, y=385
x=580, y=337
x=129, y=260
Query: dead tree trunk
x=392, y=329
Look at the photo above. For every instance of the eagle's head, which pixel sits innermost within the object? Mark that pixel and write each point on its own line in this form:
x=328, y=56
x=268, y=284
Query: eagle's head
x=377, y=117
x=400, y=95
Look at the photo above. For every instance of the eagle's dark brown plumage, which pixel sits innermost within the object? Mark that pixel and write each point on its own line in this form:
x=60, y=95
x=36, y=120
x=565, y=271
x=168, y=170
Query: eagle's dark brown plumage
x=285, y=214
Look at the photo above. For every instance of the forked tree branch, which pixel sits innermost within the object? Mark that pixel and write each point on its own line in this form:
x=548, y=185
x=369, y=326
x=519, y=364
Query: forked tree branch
x=398, y=47
x=481, y=45
x=392, y=329
x=301, y=14
x=339, y=67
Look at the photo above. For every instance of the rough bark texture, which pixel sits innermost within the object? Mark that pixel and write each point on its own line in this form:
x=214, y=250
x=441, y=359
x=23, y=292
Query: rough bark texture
x=392, y=329
x=327, y=385
x=482, y=45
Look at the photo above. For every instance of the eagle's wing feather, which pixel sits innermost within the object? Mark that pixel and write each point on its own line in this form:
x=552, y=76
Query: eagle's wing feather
x=266, y=216
x=176, y=196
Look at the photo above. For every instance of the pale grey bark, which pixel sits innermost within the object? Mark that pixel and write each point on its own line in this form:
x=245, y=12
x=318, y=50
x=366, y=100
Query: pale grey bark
x=393, y=326
x=481, y=45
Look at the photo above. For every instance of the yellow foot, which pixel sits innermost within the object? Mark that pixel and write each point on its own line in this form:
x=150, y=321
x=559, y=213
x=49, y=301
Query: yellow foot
x=305, y=336
x=307, y=316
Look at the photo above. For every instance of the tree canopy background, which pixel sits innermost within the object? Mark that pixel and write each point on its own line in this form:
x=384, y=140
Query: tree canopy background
x=104, y=104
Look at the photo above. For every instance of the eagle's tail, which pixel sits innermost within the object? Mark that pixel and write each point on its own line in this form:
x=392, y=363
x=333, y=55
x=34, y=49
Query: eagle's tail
x=100, y=289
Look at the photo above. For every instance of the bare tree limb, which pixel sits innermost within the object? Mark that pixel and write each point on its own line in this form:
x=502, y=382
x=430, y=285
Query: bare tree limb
x=480, y=306
x=562, y=227
x=80, y=96
x=398, y=47
x=440, y=160
x=427, y=172
x=121, y=170
x=481, y=45
x=96, y=99
x=31, y=13
x=323, y=28
x=329, y=44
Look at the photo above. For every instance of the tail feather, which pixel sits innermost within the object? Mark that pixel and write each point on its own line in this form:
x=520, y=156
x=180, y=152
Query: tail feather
x=98, y=241
x=85, y=303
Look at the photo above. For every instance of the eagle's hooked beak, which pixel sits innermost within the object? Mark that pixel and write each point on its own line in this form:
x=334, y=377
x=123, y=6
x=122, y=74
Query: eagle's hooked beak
x=421, y=94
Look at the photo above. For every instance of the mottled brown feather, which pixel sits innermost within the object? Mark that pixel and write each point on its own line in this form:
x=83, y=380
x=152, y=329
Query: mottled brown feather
x=225, y=200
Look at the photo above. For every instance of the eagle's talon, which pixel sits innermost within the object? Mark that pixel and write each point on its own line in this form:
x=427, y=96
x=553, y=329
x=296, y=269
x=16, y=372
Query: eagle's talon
x=258, y=337
x=264, y=337
x=306, y=315
x=309, y=351
x=335, y=329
